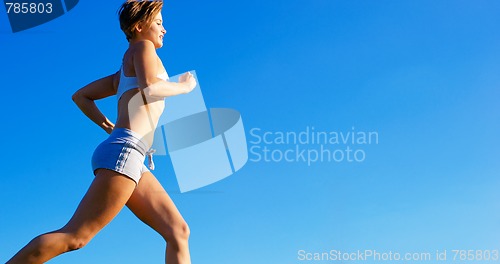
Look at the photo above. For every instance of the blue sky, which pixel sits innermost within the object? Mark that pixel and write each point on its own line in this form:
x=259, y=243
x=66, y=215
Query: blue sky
x=423, y=74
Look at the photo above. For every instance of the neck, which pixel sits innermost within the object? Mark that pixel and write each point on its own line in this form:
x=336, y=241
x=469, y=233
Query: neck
x=136, y=40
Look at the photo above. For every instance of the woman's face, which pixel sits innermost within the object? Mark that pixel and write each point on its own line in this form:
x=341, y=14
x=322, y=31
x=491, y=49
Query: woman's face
x=155, y=32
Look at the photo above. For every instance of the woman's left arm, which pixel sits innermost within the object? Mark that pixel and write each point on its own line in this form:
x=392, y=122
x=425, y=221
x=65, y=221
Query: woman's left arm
x=84, y=98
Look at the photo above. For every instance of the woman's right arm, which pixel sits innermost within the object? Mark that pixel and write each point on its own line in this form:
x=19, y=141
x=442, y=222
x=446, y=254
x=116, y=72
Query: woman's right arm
x=145, y=60
x=84, y=98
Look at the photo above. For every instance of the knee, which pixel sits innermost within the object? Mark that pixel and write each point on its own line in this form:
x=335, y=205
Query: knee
x=178, y=233
x=77, y=241
x=59, y=241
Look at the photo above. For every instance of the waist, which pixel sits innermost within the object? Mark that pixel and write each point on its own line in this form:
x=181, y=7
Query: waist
x=122, y=135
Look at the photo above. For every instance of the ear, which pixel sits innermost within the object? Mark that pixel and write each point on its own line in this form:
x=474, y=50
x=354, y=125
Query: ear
x=139, y=27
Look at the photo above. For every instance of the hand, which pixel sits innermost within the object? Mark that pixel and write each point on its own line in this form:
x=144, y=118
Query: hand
x=189, y=81
x=109, y=129
x=108, y=126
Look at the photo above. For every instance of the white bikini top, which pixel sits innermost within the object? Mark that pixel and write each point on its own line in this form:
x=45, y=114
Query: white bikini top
x=128, y=83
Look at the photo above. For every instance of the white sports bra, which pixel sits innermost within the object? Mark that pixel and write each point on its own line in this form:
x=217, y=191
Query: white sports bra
x=128, y=83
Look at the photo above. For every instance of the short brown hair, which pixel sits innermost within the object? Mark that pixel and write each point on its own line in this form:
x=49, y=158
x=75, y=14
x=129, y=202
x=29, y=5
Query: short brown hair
x=133, y=12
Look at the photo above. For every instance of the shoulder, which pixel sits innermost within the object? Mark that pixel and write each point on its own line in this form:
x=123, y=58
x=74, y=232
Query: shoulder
x=143, y=50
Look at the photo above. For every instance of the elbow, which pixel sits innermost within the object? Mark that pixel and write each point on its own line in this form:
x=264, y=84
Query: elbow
x=77, y=97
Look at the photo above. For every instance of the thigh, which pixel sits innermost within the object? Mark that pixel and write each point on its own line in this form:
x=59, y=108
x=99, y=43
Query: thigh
x=106, y=196
x=151, y=203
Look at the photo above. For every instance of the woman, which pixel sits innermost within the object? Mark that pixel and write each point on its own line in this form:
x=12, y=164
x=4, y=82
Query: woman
x=118, y=163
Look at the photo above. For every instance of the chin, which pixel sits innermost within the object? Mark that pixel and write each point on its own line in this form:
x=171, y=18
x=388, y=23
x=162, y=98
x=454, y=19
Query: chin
x=159, y=44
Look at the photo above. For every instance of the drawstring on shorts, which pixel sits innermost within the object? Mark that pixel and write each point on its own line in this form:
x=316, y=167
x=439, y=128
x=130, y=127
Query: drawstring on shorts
x=149, y=153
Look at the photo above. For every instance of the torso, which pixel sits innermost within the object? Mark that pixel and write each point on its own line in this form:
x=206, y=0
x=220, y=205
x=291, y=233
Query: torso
x=132, y=112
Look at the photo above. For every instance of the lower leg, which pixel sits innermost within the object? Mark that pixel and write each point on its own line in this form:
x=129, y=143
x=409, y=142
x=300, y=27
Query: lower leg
x=177, y=244
x=178, y=252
